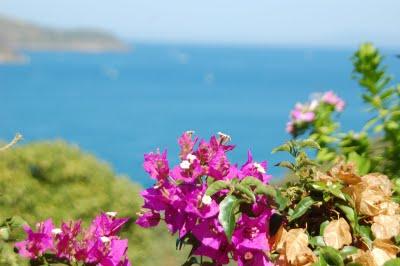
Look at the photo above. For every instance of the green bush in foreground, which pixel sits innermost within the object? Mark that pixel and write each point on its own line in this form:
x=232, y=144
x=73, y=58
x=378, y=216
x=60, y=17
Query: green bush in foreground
x=54, y=179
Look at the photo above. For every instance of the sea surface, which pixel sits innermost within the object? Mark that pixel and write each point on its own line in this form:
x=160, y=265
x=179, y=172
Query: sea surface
x=119, y=106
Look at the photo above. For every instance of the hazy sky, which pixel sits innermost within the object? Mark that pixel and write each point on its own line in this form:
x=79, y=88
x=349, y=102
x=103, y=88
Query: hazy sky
x=288, y=22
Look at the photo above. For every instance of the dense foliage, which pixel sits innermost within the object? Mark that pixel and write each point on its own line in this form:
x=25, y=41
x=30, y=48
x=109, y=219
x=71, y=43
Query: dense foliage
x=378, y=142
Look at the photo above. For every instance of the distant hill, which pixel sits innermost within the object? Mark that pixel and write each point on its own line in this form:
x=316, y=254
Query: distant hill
x=17, y=35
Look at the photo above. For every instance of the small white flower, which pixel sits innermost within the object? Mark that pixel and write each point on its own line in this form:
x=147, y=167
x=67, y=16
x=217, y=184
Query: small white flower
x=56, y=231
x=314, y=104
x=111, y=214
x=206, y=200
x=190, y=132
x=259, y=168
x=105, y=239
x=185, y=164
x=191, y=157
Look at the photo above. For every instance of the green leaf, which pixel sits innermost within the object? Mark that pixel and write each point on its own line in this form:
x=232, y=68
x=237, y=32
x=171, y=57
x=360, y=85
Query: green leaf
x=281, y=200
x=347, y=251
x=393, y=262
x=250, y=181
x=350, y=214
x=336, y=190
x=259, y=186
x=317, y=241
x=284, y=147
x=286, y=164
x=363, y=164
x=320, y=262
x=226, y=214
x=301, y=208
x=267, y=191
x=366, y=234
x=331, y=256
x=245, y=191
x=322, y=227
x=217, y=186
x=309, y=143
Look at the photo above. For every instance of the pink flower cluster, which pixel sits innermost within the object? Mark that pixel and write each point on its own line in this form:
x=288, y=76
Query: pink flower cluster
x=331, y=98
x=304, y=114
x=178, y=198
x=97, y=245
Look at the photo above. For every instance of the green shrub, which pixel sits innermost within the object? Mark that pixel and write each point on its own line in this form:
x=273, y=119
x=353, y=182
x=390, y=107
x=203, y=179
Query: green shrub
x=57, y=180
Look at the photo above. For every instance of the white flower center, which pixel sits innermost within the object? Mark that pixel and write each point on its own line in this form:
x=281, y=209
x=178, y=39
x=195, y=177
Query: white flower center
x=191, y=157
x=206, y=200
x=259, y=168
x=185, y=164
x=111, y=214
x=56, y=231
x=105, y=239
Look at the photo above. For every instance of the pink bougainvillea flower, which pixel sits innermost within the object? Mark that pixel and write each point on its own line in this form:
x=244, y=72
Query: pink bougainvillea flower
x=251, y=233
x=187, y=171
x=220, y=168
x=157, y=198
x=196, y=206
x=67, y=240
x=116, y=253
x=148, y=219
x=186, y=209
x=290, y=127
x=255, y=169
x=186, y=143
x=331, y=98
x=98, y=245
x=214, y=243
x=252, y=258
x=37, y=243
x=156, y=165
x=302, y=115
x=104, y=225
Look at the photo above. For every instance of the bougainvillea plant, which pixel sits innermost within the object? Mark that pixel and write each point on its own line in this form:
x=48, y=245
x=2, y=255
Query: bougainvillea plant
x=71, y=244
x=342, y=215
x=218, y=208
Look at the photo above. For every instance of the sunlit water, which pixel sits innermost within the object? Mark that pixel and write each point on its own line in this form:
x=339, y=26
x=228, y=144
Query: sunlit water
x=119, y=106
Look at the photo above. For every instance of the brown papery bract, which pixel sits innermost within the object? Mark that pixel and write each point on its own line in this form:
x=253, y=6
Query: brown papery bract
x=380, y=181
x=345, y=172
x=364, y=258
x=337, y=234
x=296, y=248
x=383, y=250
x=386, y=226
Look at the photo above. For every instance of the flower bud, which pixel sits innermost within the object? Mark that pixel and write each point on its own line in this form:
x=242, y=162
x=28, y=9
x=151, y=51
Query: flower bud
x=224, y=138
x=105, y=239
x=206, y=200
x=56, y=231
x=111, y=214
x=185, y=164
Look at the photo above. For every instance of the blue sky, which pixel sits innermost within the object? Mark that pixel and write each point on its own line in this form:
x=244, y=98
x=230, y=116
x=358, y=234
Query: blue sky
x=265, y=22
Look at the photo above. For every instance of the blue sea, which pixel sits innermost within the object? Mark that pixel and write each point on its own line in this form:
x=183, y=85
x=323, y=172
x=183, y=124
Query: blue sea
x=120, y=105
